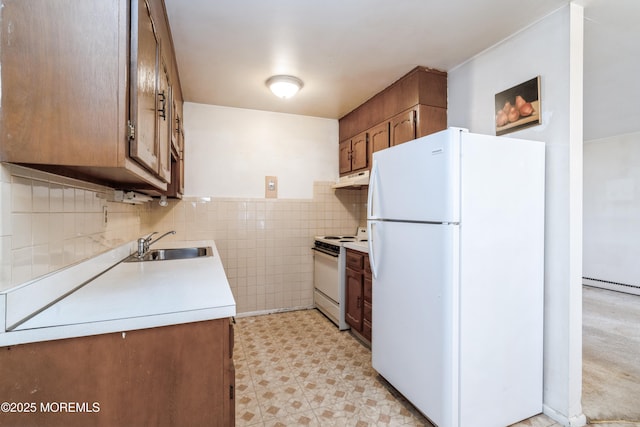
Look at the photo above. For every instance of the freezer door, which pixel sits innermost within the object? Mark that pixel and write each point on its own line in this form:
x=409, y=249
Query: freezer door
x=415, y=312
x=417, y=180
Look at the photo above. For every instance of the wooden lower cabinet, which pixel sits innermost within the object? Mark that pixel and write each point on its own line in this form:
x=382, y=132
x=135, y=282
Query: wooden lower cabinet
x=178, y=375
x=354, y=297
x=368, y=299
x=358, y=293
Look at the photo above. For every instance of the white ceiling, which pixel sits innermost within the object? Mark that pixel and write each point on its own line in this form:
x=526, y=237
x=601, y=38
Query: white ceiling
x=347, y=51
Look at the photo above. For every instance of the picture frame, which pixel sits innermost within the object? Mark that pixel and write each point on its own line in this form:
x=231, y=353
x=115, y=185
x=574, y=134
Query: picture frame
x=518, y=107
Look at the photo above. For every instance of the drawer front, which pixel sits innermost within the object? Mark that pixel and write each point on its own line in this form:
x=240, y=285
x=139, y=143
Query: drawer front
x=354, y=259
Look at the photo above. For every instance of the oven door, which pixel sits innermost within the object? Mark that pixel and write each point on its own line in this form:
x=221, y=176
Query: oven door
x=326, y=275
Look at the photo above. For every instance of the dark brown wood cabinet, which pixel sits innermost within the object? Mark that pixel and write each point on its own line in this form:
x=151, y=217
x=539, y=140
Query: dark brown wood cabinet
x=358, y=293
x=368, y=299
x=354, y=153
x=403, y=127
x=176, y=186
x=355, y=299
x=378, y=139
x=412, y=107
x=178, y=375
x=84, y=86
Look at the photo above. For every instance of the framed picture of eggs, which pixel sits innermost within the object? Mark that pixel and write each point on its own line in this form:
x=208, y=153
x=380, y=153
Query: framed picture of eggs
x=518, y=107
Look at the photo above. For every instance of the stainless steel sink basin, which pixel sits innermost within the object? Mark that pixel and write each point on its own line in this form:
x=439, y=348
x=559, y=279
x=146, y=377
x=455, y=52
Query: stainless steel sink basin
x=171, y=254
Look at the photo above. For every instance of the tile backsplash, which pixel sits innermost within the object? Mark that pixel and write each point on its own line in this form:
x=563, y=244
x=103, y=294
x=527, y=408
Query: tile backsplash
x=265, y=244
x=49, y=222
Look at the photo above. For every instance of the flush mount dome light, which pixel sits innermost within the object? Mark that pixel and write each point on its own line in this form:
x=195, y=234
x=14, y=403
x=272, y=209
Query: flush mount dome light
x=284, y=86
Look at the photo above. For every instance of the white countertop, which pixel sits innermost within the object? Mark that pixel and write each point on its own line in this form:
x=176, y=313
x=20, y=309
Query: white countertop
x=358, y=246
x=135, y=295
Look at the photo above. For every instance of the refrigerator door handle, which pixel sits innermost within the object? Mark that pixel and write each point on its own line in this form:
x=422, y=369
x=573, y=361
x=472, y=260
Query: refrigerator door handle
x=372, y=187
x=372, y=255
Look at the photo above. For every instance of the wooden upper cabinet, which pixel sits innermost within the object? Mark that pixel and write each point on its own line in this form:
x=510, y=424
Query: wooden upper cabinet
x=145, y=50
x=413, y=106
x=403, y=127
x=430, y=120
x=353, y=154
x=359, y=152
x=80, y=89
x=379, y=138
x=344, y=156
x=165, y=125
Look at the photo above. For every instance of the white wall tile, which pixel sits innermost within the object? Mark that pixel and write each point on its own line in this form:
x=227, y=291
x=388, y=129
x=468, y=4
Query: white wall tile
x=40, y=194
x=48, y=222
x=40, y=260
x=21, y=230
x=5, y=262
x=56, y=198
x=21, y=265
x=69, y=199
x=21, y=199
x=265, y=244
x=5, y=209
x=40, y=228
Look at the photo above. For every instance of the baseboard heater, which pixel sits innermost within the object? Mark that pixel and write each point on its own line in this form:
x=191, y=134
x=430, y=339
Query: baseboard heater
x=614, y=286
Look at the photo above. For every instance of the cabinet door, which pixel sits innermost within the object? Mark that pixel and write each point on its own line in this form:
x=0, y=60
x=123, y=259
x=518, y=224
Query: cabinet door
x=229, y=416
x=354, y=303
x=176, y=114
x=165, y=128
x=359, y=152
x=345, y=156
x=144, y=72
x=181, y=163
x=379, y=137
x=403, y=127
x=367, y=294
x=430, y=120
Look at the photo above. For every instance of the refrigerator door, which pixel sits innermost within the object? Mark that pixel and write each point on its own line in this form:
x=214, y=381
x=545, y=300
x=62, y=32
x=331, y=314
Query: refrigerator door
x=418, y=180
x=415, y=312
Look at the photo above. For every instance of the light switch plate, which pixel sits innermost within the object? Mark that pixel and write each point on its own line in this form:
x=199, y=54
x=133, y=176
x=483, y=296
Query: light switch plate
x=271, y=187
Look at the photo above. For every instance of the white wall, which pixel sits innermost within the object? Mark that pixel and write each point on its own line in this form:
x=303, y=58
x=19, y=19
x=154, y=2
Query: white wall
x=612, y=209
x=229, y=152
x=551, y=48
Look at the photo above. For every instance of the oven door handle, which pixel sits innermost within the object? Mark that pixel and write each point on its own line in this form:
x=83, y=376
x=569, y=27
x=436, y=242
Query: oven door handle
x=332, y=254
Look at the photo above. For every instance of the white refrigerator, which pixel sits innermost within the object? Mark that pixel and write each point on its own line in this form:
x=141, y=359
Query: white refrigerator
x=456, y=245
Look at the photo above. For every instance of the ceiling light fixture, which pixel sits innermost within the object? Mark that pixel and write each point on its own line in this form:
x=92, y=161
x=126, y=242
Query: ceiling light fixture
x=284, y=86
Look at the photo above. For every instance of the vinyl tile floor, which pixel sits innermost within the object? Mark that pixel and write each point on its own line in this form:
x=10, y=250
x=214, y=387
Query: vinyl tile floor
x=297, y=369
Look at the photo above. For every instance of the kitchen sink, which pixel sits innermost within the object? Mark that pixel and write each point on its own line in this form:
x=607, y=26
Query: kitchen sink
x=172, y=254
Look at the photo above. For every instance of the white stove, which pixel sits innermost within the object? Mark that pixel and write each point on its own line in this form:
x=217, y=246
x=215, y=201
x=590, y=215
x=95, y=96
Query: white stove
x=329, y=267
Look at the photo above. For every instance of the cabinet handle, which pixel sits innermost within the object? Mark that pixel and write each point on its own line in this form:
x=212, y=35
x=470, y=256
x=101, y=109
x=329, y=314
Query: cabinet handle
x=163, y=110
x=358, y=302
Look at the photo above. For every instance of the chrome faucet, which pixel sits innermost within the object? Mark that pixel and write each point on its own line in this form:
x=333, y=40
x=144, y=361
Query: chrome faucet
x=144, y=243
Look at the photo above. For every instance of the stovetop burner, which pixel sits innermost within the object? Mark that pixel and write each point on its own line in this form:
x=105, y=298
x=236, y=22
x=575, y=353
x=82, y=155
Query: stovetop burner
x=361, y=236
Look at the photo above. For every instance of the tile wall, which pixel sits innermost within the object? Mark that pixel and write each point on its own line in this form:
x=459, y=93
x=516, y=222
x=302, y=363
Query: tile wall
x=264, y=243
x=48, y=222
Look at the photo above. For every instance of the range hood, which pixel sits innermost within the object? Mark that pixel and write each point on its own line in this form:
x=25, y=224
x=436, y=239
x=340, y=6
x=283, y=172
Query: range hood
x=354, y=180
